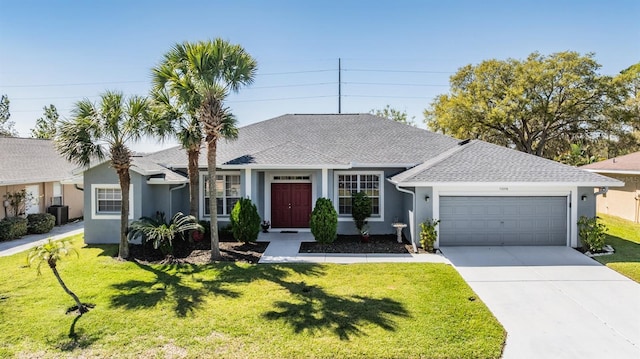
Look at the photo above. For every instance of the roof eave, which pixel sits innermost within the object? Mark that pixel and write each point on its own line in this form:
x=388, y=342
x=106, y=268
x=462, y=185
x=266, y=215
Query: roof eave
x=622, y=172
x=509, y=184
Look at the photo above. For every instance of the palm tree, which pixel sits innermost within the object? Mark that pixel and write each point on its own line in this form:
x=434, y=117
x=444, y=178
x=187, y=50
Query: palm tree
x=50, y=253
x=200, y=76
x=114, y=122
x=186, y=129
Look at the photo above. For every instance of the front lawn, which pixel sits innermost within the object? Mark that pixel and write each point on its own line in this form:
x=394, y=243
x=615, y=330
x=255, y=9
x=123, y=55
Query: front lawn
x=624, y=237
x=233, y=310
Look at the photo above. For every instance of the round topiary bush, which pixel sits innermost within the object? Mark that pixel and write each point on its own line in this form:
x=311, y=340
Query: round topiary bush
x=360, y=209
x=324, y=221
x=245, y=221
x=38, y=223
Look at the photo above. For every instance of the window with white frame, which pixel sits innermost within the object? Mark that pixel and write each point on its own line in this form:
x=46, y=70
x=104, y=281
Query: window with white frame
x=109, y=200
x=227, y=193
x=350, y=183
x=106, y=201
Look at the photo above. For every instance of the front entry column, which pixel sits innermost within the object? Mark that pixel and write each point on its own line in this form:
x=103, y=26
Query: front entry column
x=247, y=183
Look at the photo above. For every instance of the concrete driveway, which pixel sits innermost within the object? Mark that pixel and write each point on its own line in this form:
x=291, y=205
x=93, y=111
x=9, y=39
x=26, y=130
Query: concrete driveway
x=554, y=302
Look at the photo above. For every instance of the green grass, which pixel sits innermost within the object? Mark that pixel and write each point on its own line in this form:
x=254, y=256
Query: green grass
x=403, y=310
x=624, y=237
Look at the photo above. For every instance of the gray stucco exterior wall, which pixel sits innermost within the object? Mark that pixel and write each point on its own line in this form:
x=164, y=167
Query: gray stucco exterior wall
x=101, y=230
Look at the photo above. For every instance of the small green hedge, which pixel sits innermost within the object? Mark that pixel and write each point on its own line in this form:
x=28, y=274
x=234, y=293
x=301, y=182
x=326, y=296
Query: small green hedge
x=324, y=221
x=245, y=221
x=12, y=228
x=40, y=223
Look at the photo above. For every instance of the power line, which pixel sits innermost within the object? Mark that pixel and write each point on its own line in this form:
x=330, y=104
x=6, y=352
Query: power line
x=400, y=71
x=75, y=84
x=393, y=84
x=384, y=96
x=280, y=99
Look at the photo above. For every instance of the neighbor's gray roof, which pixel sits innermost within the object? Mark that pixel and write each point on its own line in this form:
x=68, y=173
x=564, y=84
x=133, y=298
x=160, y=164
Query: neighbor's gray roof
x=29, y=160
x=480, y=161
x=316, y=139
x=626, y=163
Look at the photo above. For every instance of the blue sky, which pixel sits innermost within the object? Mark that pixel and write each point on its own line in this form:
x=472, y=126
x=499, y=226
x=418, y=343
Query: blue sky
x=399, y=53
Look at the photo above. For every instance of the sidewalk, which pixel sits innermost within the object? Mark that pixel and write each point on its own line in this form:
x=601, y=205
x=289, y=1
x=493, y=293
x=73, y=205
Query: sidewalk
x=283, y=248
x=32, y=240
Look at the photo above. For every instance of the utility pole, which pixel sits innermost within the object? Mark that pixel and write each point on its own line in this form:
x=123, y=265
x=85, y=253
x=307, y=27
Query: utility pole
x=339, y=86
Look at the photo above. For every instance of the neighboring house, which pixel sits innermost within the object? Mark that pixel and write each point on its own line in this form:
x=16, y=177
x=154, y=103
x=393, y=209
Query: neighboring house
x=483, y=194
x=624, y=201
x=35, y=165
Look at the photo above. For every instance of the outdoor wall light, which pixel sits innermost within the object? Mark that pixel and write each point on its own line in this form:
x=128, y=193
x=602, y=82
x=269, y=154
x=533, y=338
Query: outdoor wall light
x=584, y=197
x=5, y=203
x=427, y=198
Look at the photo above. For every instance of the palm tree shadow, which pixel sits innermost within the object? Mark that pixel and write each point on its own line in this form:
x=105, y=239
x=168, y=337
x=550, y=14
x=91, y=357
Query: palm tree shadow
x=76, y=339
x=313, y=309
x=171, y=283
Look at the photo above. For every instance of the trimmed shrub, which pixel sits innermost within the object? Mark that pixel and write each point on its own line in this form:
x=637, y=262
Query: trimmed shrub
x=324, y=221
x=591, y=233
x=245, y=221
x=12, y=228
x=38, y=223
x=360, y=209
x=428, y=234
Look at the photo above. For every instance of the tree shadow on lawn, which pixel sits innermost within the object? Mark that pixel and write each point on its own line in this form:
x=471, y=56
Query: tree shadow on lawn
x=170, y=283
x=311, y=308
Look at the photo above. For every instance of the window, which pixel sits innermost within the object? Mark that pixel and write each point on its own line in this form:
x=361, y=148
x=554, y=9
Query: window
x=227, y=193
x=368, y=183
x=106, y=201
x=109, y=200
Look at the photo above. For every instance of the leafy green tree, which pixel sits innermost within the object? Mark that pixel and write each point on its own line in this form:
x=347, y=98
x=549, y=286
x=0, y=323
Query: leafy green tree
x=620, y=133
x=200, y=76
x=161, y=233
x=577, y=155
x=6, y=127
x=46, y=125
x=108, y=126
x=51, y=253
x=324, y=221
x=540, y=105
x=395, y=115
x=185, y=127
x=245, y=221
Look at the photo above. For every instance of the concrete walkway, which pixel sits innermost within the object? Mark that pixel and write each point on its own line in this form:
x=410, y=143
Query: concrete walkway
x=554, y=302
x=284, y=247
x=32, y=240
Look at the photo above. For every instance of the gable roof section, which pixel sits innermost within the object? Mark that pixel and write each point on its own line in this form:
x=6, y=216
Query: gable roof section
x=356, y=139
x=629, y=164
x=29, y=160
x=482, y=162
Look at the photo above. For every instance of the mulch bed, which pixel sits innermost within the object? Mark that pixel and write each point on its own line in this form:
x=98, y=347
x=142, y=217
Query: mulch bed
x=199, y=252
x=353, y=244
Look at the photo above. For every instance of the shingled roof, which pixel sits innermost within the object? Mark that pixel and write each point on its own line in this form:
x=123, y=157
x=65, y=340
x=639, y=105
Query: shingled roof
x=29, y=160
x=625, y=164
x=479, y=161
x=333, y=139
x=365, y=140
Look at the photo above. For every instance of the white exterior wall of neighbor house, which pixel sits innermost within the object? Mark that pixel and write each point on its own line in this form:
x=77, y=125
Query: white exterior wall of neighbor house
x=431, y=208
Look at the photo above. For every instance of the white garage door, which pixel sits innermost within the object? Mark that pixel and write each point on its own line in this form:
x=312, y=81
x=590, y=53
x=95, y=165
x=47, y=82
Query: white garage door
x=498, y=221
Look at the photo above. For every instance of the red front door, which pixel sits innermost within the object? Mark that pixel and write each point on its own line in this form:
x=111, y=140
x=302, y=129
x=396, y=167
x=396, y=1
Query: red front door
x=290, y=205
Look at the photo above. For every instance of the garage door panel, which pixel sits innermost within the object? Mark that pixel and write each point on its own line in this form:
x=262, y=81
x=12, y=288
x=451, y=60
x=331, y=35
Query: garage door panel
x=503, y=220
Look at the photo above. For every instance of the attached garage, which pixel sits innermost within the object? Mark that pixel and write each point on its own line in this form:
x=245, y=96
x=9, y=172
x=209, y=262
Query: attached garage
x=503, y=221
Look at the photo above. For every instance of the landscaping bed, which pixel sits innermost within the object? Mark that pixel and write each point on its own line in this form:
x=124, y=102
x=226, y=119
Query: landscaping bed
x=199, y=252
x=354, y=244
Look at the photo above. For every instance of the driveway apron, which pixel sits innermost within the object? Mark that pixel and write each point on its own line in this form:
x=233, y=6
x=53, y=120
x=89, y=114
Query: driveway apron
x=554, y=302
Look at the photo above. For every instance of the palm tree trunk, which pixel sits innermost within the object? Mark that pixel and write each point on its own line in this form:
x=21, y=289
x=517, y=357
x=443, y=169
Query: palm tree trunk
x=212, y=146
x=194, y=180
x=81, y=307
x=125, y=180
